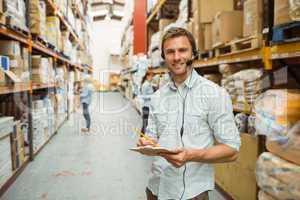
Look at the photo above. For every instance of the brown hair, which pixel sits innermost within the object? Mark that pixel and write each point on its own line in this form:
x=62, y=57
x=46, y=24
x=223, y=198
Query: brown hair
x=177, y=32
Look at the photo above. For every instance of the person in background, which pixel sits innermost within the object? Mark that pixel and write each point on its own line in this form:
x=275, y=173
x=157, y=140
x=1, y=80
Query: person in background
x=194, y=117
x=84, y=89
x=146, y=92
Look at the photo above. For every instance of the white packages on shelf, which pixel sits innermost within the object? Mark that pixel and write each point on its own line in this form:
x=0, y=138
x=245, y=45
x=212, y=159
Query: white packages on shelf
x=6, y=126
x=5, y=160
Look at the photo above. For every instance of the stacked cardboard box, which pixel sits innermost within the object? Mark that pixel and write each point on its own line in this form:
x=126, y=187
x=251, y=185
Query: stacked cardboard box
x=227, y=25
x=42, y=70
x=281, y=12
x=253, y=16
x=6, y=128
x=5, y=160
x=53, y=31
x=17, y=146
x=37, y=14
x=18, y=58
x=15, y=12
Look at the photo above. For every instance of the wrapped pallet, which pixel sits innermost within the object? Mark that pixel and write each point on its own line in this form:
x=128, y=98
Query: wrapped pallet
x=276, y=112
x=37, y=14
x=278, y=177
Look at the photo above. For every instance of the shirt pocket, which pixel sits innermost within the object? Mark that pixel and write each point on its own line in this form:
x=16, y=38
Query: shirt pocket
x=196, y=123
x=161, y=119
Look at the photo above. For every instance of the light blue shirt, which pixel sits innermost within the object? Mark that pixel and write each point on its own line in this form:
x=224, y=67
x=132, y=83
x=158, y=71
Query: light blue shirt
x=86, y=95
x=208, y=117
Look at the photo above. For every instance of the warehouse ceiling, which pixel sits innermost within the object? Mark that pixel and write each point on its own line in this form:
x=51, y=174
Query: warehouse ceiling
x=108, y=9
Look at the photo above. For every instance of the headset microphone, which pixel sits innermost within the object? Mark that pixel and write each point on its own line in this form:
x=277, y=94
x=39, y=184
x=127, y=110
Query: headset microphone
x=189, y=62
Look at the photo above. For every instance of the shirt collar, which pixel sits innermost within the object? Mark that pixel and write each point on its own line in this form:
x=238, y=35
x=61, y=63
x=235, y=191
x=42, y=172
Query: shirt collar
x=189, y=81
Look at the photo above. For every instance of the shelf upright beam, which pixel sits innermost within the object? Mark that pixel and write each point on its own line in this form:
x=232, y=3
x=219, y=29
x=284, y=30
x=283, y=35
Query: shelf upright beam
x=140, y=27
x=30, y=127
x=267, y=58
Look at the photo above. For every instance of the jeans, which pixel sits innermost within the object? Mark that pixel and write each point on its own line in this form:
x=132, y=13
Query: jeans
x=86, y=114
x=145, y=116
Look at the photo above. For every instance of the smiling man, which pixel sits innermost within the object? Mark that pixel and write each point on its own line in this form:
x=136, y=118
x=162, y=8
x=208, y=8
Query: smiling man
x=193, y=116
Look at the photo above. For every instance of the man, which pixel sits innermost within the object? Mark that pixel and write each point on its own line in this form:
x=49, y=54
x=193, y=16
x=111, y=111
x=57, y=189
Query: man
x=193, y=116
x=85, y=92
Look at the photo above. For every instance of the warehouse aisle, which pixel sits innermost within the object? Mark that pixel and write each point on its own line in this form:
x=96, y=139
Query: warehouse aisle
x=97, y=166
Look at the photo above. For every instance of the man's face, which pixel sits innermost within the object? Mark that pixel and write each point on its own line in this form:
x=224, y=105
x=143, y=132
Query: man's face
x=177, y=52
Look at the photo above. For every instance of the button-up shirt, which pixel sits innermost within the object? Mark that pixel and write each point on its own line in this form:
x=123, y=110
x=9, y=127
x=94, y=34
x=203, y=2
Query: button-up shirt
x=205, y=111
x=86, y=95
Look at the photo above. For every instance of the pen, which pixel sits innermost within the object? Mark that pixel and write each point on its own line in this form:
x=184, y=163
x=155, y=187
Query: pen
x=145, y=136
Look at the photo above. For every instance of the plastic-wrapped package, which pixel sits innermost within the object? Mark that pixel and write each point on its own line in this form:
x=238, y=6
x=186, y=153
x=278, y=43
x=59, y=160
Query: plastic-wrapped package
x=295, y=9
x=264, y=196
x=276, y=111
x=251, y=124
x=241, y=122
x=278, y=177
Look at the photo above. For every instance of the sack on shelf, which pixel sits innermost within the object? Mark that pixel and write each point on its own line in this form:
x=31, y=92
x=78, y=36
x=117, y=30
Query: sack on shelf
x=278, y=177
x=264, y=196
x=289, y=147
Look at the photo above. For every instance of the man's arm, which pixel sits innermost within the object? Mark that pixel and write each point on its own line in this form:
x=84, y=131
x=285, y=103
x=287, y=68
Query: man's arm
x=219, y=153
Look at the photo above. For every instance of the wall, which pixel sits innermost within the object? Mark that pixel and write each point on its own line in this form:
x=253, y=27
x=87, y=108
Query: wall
x=106, y=39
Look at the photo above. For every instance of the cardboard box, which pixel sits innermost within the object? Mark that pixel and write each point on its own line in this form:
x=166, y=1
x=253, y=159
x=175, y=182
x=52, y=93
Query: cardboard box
x=2, y=78
x=16, y=62
x=10, y=47
x=37, y=13
x=253, y=15
x=208, y=36
x=1, y=7
x=4, y=62
x=195, y=5
x=281, y=12
x=163, y=23
x=227, y=25
x=289, y=154
x=208, y=9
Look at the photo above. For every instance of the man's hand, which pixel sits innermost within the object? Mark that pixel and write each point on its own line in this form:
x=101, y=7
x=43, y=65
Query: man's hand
x=178, y=159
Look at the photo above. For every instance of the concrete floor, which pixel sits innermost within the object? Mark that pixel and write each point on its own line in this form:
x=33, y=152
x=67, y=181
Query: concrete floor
x=97, y=166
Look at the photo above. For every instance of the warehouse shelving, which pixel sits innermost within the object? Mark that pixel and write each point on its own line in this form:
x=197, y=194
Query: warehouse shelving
x=285, y=51
x=52, y=135
x=245, y=56
x=65, y=22
x=27, y=40
x=155, y=10
x=34, y=45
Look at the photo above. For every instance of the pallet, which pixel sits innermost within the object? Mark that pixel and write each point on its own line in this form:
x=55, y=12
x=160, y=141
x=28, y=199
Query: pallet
x=286, y=33
x=43, y=42
x=206, y=54
x=238, y=45
x=18, y=30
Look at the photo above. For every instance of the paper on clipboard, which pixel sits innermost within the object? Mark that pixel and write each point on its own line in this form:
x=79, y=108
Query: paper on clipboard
x=153, y=151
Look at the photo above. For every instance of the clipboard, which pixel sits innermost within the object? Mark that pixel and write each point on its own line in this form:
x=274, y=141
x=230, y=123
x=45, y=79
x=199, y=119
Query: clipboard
x=153, y=151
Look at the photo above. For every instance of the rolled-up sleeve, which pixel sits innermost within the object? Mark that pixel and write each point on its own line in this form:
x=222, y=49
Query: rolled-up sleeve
x=221, y=120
